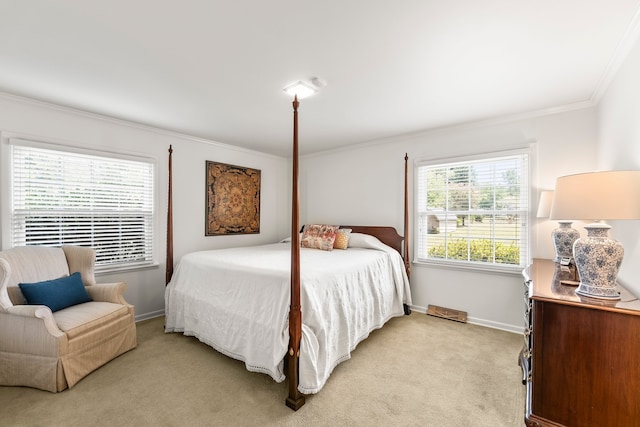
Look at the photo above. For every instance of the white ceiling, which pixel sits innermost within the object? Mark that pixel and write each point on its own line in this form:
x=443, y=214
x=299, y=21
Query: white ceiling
x=215, y=69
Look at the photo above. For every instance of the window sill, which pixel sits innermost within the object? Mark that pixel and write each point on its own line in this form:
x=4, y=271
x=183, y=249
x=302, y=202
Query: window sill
x=471, y=266
x=126, y=269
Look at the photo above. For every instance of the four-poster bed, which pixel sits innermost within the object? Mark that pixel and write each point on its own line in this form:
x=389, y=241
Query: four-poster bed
x=248, y=304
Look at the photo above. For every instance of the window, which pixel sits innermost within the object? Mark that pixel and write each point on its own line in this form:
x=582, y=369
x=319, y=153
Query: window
x=60, y=197
x=474, y=211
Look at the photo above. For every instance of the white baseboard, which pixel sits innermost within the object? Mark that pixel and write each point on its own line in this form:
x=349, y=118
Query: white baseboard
x=481, y=322
x=151, y=315
x=496, y=325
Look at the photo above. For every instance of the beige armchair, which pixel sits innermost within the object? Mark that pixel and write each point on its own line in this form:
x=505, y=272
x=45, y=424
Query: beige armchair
x=53, y=351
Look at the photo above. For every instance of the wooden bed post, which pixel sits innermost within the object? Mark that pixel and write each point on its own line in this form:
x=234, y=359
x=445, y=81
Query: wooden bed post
x=295, y=400
x=407, y=260
x=169, y=260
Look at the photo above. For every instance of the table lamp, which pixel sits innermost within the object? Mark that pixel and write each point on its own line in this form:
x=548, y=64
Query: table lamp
x=613, y=195
x=564, y=236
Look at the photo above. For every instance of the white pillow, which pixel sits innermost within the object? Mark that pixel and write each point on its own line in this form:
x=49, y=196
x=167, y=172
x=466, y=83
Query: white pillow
x=361, y=240
x=288, y=239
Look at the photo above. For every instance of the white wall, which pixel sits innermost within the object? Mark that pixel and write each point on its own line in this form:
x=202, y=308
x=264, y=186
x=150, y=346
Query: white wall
x=44, y=122
x=619, y=149
x=364, y=185
x=361, y=185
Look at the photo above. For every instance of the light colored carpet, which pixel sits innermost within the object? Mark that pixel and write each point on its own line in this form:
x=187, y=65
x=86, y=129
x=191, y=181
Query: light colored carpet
x=418, y=370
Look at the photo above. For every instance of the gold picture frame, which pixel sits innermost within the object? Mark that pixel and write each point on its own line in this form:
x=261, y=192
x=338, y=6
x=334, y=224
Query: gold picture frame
x=232, y=200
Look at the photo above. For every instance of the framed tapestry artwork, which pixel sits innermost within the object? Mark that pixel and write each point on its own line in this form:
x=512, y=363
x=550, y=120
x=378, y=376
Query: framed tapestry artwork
x=232, y=200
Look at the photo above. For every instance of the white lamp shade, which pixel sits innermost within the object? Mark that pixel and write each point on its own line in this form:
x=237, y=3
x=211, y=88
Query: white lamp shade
x=609, y=195
x=544, y=206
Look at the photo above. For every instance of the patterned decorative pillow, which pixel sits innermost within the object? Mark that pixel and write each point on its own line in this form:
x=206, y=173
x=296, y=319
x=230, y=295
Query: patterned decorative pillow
x=342, y=238
x=318, y=236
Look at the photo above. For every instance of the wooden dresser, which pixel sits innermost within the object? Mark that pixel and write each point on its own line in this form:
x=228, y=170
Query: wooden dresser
x=581, y=359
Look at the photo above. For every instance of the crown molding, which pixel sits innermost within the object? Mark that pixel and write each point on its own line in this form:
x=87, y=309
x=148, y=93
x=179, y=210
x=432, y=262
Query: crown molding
x=626, y=43
x=491, y=121
x=133, y=125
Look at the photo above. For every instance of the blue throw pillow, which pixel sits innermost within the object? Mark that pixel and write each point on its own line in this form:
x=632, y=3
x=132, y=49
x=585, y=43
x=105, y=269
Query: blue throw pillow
x=56, y=294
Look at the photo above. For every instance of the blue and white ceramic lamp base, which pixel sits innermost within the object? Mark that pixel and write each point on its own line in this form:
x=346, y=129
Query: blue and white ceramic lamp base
x=563, y=238
x=598, y=259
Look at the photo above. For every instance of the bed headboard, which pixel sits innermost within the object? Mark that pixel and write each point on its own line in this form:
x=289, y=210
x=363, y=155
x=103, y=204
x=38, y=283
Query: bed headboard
x=387, y=235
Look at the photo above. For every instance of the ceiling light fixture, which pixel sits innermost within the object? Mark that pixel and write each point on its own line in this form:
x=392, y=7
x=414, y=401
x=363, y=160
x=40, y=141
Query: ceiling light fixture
x=303, y=89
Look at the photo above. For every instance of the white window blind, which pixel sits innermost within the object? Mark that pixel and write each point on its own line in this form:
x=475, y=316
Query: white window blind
x=68, y=198
x=474, y=211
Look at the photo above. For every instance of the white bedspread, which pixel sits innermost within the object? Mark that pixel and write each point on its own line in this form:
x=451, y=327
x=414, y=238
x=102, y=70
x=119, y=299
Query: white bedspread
x=237, y=301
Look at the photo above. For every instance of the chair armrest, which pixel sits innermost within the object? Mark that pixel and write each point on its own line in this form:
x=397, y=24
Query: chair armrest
x=31, y=329
x=108, y=292
x=41, y=312
x=5, y=272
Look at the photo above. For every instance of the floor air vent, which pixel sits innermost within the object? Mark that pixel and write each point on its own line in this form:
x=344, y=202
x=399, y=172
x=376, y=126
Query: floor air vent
x=447, y=313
